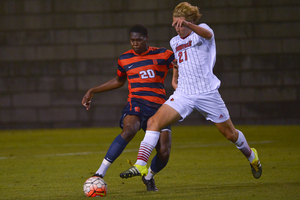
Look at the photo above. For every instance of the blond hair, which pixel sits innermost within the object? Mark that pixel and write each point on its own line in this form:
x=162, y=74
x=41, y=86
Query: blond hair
x=189, y=12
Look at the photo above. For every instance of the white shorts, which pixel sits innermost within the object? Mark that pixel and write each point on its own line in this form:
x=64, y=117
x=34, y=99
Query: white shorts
x=210, y=105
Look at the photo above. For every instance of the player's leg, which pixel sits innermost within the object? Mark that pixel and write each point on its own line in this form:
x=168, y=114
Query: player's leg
x=238, y=138
x=177, y=107
x=131, y=125
x=228, y=130
x=160, y=160
x=212, y=106
x=165, y=116
x=162, y=118
x=163, y=149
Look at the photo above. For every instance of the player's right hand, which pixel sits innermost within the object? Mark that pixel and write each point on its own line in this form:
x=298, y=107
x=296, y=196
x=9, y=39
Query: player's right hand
x=180, y=22
x=87, y=100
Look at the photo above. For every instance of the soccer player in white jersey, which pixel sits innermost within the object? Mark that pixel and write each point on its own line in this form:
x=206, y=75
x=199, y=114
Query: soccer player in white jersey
x=196, y=88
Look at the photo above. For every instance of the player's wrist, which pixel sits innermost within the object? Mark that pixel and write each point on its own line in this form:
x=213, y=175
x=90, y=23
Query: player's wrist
x=189, y=24
x=92, y=91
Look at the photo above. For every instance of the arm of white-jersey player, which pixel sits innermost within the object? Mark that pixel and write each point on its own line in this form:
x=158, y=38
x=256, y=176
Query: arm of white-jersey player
x=175, y=75
x=203, y=32
x=199, y=30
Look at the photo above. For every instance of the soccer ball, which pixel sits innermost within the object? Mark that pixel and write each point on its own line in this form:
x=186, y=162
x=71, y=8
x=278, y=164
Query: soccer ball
x=95, y=187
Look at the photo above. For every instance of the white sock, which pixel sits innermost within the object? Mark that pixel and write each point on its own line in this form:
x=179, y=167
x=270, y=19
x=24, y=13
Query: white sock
x=243, y=146
x=150, y=174
x=103, y=167
x=146, y=147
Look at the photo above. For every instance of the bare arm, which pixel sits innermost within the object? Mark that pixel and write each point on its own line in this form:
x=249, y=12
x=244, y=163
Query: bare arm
x=175, y=75
x=179, y=22
x=114, y=83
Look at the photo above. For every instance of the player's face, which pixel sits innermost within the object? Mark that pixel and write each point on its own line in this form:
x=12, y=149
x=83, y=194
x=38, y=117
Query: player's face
x=180, y=28
x=139, y=43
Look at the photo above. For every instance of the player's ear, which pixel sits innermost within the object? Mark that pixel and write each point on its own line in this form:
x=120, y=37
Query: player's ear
x=147, y=39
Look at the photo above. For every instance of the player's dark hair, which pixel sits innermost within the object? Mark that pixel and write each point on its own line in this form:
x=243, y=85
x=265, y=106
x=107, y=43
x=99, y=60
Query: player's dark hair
x=139, y=28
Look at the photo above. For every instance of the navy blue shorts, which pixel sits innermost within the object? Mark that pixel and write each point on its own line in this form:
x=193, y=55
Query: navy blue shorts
x=142, y=111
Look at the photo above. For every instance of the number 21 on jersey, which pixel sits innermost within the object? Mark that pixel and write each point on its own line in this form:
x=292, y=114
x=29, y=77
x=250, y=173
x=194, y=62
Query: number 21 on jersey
x=182, y=55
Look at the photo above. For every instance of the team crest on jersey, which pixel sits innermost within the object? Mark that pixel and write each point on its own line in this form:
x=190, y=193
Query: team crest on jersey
x=172, y=99
x=137, y=109
x=155, y=62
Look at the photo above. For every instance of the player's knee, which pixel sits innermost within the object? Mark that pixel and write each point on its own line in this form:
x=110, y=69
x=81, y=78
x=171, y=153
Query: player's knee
x=152, y=124
x=230, y=135
x=128, y=133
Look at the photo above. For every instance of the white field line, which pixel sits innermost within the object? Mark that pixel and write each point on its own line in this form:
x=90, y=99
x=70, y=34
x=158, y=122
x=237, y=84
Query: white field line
x=132, y=150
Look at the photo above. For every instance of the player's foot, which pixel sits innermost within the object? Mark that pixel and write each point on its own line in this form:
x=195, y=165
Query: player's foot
x=135, y=170
x=150, y=184
x=255, y=165
x=98, y=175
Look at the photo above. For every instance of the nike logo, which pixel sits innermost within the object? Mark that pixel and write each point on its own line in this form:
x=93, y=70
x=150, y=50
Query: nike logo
x=130, y=66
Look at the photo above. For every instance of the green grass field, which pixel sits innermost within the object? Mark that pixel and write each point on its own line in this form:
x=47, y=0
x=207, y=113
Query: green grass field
x=53, y=164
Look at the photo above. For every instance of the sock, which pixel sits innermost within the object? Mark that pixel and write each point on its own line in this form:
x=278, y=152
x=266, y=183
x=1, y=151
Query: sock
x=103, y=168
x=243, y=146
x=146, y=147
x=115, y=149
x=156, y=166
x=150, y=174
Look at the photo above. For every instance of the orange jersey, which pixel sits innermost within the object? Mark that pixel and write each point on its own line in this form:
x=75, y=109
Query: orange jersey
x=146, y=74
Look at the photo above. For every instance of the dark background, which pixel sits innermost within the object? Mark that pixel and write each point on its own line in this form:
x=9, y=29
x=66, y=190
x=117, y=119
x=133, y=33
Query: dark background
x=52, y=51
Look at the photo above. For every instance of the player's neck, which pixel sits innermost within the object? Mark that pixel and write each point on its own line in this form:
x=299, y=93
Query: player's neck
x=144, y=52
x=186, y=35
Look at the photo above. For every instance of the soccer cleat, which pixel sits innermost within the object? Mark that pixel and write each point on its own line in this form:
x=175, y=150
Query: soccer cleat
x=255, y=165
x=97, y=175
x=150, y=184
x=135, y=170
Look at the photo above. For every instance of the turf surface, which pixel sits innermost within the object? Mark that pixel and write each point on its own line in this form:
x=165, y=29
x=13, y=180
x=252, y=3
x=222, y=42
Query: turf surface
x=53, y=164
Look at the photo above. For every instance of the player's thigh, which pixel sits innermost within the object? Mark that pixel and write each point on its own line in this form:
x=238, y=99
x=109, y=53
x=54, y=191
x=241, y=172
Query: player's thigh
x=212, y=107
x=165, y=116
x=182, y=103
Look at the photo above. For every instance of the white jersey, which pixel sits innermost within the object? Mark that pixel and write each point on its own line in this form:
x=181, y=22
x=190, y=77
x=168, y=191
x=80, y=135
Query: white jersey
x=196, y=58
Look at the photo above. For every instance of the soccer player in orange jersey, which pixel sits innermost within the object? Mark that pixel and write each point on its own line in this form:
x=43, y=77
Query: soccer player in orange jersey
x=145, y=68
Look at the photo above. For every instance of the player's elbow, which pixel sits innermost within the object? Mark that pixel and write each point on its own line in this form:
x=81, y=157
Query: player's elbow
x=174, y=85
x=208, y=35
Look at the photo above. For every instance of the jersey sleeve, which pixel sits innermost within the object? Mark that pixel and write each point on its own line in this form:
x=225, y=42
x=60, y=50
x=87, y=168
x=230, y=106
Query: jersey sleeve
x=169, y=58
x=203, y=25
x=121, y=71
